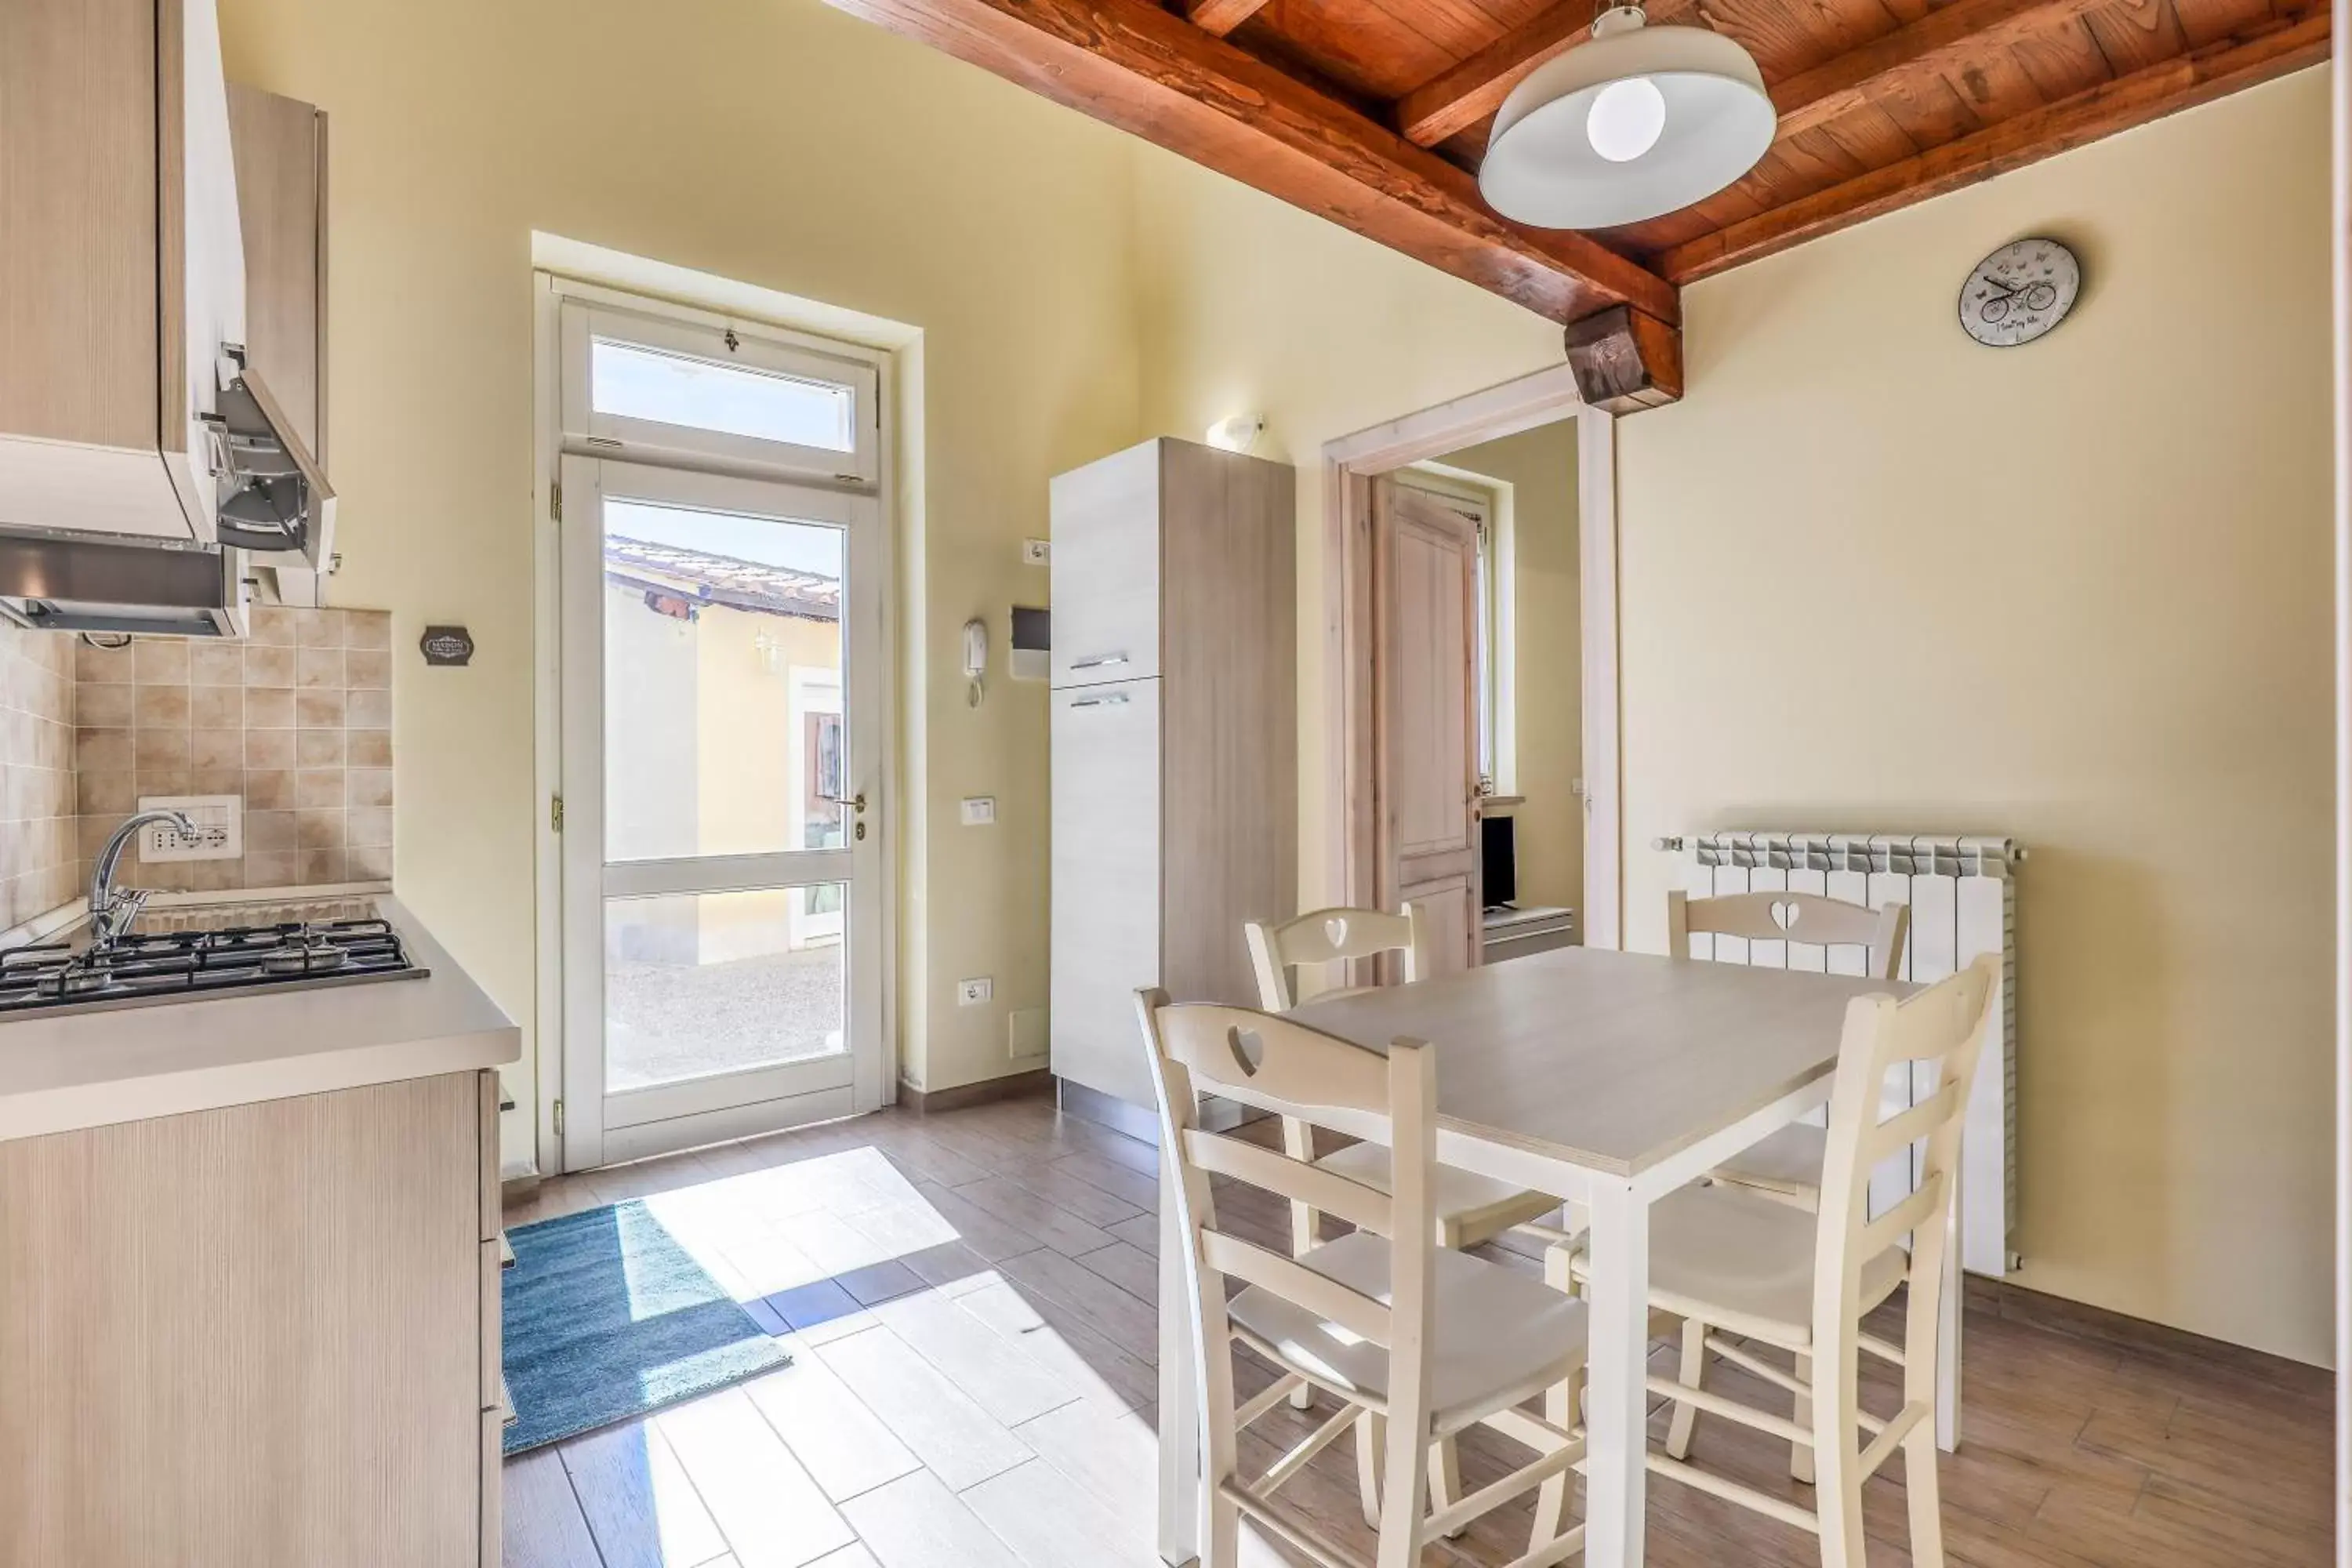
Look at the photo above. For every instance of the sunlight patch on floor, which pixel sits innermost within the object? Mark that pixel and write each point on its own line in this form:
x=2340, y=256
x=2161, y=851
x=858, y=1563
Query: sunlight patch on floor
x=768, y=1231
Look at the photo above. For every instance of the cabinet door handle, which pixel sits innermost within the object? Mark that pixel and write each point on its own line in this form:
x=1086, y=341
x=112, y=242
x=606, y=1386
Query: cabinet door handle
x=1116, y=700
x=1099, y=661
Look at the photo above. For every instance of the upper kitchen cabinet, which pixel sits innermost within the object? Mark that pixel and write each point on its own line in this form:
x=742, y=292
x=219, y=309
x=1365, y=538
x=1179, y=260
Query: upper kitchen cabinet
x=126, y=407
x=122, y=272
x=280, y=146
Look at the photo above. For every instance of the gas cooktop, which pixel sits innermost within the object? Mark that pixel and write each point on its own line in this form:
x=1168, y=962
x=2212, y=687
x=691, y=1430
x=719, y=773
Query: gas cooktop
x=179, y=966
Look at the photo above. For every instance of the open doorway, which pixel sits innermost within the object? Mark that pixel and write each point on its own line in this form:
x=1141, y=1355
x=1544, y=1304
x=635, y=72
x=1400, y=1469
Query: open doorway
x=1473, y=671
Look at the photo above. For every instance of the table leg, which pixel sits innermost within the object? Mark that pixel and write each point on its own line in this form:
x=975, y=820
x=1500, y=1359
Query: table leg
x=1948, y=1328
x=1179, y=1392
x=1617, y=1405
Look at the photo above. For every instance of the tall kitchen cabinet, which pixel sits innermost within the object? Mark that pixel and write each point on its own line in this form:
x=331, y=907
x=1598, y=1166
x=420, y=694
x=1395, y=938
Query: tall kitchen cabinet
x=1175, y=795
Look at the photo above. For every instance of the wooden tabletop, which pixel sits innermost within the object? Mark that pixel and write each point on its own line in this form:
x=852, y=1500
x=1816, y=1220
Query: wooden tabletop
x=1612, y=1062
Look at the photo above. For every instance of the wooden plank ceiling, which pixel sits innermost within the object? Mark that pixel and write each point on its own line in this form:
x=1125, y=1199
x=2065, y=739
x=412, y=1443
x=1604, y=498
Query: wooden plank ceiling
x=1374, y=113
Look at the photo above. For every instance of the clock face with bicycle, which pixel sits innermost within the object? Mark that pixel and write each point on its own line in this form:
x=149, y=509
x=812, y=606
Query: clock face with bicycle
x=2020, y=292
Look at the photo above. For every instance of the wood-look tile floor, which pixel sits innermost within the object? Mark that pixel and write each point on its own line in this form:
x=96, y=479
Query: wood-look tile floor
x=968, y=1302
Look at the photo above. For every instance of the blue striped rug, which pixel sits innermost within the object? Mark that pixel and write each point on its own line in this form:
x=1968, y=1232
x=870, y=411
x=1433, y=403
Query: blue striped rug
x=608, y=1317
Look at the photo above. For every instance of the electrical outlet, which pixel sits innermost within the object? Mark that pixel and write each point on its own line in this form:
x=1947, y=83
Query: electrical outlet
x=973, y=992
x=1037, y=552
x=1024, y=1033
x=220, y=828
x=980, y=811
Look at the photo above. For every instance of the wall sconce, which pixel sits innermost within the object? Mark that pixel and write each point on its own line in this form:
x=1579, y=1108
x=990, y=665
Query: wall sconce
x=1237, y=432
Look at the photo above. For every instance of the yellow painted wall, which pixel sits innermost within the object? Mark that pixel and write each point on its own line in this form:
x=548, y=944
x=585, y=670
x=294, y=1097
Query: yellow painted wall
x=782, y=144
x=2079, y=593
x=1875, y=575
x=1545, y=629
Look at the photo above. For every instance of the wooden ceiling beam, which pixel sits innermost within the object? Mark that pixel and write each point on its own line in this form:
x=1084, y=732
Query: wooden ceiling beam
x=2296, y=37
x=1150, y=72
x=1945, y=40
x=1458, y=99
x=1220, y=16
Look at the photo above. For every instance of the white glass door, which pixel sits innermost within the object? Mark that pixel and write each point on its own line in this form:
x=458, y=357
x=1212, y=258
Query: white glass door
x=722, y=868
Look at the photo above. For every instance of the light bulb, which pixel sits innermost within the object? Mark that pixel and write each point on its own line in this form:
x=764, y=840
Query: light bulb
x=1626, y=118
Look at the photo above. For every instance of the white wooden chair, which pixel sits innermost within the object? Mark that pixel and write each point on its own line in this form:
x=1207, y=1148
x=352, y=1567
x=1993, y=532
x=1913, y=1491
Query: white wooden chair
x=1787, y=1166
x=1416, y=1341
x=1471, y=1209
x=1734, y=1262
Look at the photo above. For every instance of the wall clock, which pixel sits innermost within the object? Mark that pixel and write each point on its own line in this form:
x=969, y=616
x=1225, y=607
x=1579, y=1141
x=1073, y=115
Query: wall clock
x=2020, y=292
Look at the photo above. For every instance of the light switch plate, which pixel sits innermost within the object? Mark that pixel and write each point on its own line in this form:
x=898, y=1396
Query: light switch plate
x=980, y=811
x=220, y=828
x=973, y=992
x=1037, y=552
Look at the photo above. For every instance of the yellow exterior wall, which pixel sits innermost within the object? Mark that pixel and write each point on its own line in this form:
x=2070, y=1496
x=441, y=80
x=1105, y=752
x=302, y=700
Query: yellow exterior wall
x=1545, y=626
x=744, y=695
x=749, y=784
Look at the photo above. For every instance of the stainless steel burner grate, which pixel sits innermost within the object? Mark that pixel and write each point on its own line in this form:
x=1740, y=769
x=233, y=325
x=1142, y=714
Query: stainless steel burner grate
x=178, y=965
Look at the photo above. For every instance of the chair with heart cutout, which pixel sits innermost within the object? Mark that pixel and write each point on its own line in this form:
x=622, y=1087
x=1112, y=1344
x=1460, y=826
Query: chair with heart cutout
x=1470, y=1209
x=1786, y=1167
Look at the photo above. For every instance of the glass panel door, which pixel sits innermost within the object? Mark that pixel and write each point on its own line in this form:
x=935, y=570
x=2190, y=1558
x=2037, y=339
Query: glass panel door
x=722, y=764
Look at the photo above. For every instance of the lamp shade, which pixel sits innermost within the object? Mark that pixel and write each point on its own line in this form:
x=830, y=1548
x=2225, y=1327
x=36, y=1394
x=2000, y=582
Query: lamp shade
x=1639, y=122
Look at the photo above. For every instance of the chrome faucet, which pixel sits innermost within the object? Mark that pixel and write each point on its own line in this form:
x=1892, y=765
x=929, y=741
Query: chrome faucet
x=111, y=914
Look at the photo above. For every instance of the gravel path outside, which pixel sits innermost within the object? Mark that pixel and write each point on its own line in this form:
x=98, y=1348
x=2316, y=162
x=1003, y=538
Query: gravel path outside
x=663, y=1021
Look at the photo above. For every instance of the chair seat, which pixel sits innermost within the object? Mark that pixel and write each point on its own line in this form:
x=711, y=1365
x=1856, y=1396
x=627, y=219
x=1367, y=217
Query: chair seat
x=1459, y=1195
x=1789, y=1162
x=1745, y=1263
x=1501, y=1335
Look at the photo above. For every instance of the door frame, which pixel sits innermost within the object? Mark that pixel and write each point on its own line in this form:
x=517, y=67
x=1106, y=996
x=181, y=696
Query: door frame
x=1350, y=700
x=550, y=289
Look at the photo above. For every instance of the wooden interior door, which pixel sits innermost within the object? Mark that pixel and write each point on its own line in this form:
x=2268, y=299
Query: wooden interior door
x=1425, y=742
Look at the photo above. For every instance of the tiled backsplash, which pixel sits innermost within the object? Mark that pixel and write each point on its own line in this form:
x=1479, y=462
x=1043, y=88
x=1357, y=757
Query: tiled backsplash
x=297, y=720
x=37, y=861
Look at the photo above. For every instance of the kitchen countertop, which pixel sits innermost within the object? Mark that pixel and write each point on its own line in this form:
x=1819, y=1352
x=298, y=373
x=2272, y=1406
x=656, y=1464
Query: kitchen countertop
x=60, y=1073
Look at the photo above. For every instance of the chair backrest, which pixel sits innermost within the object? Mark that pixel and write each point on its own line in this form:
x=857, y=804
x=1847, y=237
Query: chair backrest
x=1194, y=1048
x=1324, y=936
x=1942, y=1028
x=1806, y=918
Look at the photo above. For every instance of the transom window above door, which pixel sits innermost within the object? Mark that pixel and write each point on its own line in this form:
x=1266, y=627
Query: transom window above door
x=716, y=394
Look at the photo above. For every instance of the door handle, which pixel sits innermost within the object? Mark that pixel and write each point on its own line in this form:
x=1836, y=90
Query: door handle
x=857, y=804
x=1116, y=700
x=1099, y=661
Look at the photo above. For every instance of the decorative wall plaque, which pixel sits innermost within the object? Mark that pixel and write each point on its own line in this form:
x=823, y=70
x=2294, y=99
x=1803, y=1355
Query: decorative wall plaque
x=447, y=644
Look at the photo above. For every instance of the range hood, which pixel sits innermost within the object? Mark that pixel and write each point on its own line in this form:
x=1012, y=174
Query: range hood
x=78, y=583
x=270, y=495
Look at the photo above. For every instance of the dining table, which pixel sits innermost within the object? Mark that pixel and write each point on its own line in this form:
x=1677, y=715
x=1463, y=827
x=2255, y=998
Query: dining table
x=1605, y=1078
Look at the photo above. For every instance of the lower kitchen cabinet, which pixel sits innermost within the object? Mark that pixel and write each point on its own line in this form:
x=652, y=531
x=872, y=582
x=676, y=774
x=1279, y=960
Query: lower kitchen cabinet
x=259, y=1336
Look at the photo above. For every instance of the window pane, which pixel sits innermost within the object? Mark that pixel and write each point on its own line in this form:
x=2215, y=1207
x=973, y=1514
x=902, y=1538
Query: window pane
x=722, y=684
x=707, y=983
x=644, y=383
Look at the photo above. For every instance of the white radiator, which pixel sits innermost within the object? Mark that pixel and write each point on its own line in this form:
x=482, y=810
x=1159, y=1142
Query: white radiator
x=1963, y=898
